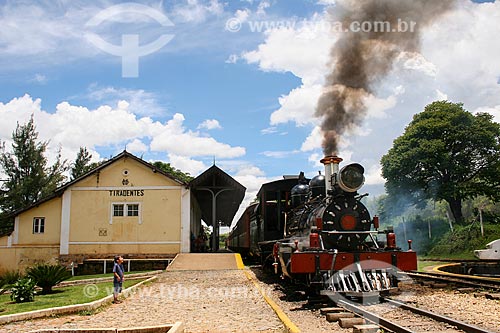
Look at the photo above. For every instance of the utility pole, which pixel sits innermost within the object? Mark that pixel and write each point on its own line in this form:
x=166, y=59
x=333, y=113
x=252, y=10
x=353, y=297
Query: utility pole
x=481, y=219
x=404, y=229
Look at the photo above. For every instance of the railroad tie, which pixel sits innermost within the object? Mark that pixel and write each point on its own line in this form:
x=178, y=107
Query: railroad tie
x=333, y=317
x=351, y=322
x=331, y=310
x=439, y=285
x=369, y=328
x=492, y=296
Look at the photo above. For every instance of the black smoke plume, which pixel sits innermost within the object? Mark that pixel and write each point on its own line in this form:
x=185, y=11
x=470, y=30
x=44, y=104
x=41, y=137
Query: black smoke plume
x=359, y=59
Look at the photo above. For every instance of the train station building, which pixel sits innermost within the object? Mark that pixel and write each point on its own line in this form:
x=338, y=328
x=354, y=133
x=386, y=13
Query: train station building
x=125, y=206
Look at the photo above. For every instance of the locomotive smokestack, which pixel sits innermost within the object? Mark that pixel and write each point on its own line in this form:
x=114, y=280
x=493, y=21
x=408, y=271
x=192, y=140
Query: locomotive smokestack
x=331, y=170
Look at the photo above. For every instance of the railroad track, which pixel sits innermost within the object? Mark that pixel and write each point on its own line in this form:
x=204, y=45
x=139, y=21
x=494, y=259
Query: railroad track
x=390, y=315
x=465, y=280
x=398, y=317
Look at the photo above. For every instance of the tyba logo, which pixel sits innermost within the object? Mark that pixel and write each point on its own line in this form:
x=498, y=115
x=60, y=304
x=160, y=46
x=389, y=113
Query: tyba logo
x=129, y=50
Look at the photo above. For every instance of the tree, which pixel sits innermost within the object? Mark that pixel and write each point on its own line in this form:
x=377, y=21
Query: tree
x=82, y=163
x=166, y=167
x=446, y=153
x=29, y=178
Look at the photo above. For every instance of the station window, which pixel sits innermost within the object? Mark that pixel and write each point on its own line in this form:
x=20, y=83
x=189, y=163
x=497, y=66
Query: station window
x=38, y=225
x=133, y=210
x=118, y=209
x=126, y=209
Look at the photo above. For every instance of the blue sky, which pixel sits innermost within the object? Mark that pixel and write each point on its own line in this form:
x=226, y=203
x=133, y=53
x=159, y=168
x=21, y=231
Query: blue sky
x=238, y=82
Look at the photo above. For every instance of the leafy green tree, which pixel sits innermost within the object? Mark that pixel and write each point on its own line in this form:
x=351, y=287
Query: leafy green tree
x=28, y=177
x=166, y=167
x=82, y=163
x=446, y=153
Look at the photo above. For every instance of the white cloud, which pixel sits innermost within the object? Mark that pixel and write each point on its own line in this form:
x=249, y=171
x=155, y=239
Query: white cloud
x=31, y=29
x=137, y=146
x=263, y=5
x=417, y=62
x=73, y=126
x=313, y=141
x=301, y=51
x=269, y=130
x=314, y=159
x=252, y=178
x=18, y=109
x=39, y=78
x=49, y=33
x=441, y=96
x=248, y=175
x=298, y=106
x=139, y=101
x=466, y=55
x=232, y=59
x=461, y=60
x=249, y=170
x=194, y=11
x=346, y=155
x=494, y=111
x=279, y=154
x=175, y=139
x=242, y=15
x=373, y=176
x=186, y=164
x=377, y=107
x=210, y=124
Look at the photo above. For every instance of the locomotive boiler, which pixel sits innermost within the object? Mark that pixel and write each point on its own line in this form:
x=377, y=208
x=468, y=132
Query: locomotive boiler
x=319, y=232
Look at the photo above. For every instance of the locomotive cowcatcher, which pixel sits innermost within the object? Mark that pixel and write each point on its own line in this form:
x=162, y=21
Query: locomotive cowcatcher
x=319, y=233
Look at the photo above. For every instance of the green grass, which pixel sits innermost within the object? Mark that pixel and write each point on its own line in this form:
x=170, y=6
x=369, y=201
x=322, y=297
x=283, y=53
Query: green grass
x=97, y=276
x=62, y=297
x=439, y=253
x=461, y=243
x=422, y=264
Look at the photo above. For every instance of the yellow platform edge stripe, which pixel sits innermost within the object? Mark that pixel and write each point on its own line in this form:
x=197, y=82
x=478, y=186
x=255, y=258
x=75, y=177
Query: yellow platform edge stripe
x=239, y=261
x=290, y=326
x=437, y=269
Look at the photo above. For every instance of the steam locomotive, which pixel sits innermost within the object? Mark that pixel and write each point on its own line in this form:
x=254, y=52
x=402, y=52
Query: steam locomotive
x=319, y=232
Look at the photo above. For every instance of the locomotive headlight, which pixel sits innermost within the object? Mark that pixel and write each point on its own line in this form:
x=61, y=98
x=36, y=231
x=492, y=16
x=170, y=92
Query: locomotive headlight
x=351, y=178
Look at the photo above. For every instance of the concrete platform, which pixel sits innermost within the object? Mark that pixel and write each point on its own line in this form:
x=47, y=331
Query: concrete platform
x=205, y=262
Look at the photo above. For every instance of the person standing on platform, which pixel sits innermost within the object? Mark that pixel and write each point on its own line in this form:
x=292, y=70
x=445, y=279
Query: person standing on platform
x=118, y=273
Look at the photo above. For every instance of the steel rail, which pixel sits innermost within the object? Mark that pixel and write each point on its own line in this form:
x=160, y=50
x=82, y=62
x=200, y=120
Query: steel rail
x=470, y=281
x=374, y=318
x=492, y=279
x=393, y=327
x=457, y=323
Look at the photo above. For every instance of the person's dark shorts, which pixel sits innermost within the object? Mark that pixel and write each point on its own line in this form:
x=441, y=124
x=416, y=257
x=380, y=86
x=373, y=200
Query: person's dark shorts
x=117, y=286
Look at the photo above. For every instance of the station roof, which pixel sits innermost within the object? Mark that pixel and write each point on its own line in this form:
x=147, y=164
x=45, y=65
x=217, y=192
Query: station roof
x=228, y=192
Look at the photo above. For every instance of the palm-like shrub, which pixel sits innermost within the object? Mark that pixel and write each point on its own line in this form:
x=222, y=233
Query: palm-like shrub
x=7, y=279
x=46, y=276
x=23, y=290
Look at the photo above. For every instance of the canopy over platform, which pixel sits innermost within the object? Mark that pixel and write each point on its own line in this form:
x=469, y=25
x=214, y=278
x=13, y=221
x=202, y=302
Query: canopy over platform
x=219, y=196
